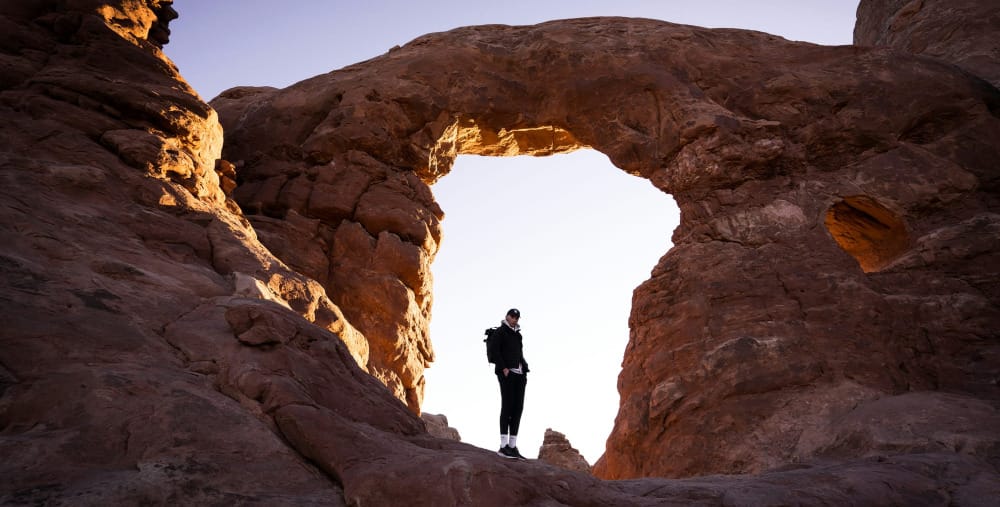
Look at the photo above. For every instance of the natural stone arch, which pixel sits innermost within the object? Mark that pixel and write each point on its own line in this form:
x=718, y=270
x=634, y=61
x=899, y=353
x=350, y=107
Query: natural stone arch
x=754, y=314
x=185, y=334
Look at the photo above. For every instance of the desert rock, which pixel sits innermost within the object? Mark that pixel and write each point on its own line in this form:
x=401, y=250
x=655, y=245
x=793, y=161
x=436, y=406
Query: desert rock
x=163, y=345
x=556, y=450
x=437, y=425
x=808, y=277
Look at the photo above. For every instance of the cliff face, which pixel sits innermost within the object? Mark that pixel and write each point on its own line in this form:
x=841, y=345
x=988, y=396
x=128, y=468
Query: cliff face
x=832, y=293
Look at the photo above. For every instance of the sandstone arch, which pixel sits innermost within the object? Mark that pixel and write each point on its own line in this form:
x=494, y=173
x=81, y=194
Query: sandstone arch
x=754, y=309
x=149, y=335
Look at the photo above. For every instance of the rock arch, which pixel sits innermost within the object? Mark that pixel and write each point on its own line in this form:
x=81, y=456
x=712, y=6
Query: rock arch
x=754, y=318
x=143, y=371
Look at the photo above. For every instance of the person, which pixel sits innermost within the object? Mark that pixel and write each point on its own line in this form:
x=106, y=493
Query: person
x=512, y=372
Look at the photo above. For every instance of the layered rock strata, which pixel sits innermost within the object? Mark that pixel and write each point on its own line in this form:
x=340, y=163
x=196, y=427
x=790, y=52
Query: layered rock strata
x=158, y=347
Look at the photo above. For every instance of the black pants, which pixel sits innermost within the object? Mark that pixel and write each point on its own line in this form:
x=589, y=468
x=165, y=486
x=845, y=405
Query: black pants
x=511, y=401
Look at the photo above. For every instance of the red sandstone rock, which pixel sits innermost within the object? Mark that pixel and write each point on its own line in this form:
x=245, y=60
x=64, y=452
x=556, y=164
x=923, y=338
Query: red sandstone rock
x=437, y=425
x=556, y=450
x=156, y=350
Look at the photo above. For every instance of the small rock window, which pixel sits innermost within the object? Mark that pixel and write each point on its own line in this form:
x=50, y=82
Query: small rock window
x=871, y=233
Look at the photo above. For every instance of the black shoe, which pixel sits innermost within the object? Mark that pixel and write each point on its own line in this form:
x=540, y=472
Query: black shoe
x=507, y=452
x=514, y=454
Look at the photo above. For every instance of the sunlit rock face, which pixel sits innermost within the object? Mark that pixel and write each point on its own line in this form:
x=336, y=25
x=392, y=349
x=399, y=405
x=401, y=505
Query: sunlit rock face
x=838, y=236
x=832, y=294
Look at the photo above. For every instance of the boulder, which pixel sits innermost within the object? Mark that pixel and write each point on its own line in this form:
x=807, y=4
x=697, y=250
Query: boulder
x=556, y=450
x=959, y=32
x=437, y=425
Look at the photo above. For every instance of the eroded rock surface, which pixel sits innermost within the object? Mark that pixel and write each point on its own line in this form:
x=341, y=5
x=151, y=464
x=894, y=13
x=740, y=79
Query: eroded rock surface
x=960, y=32
x=161, y=345
x=556, y=450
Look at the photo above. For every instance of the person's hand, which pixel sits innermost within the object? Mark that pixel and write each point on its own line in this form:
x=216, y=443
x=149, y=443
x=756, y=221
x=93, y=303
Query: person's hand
x=505, y=372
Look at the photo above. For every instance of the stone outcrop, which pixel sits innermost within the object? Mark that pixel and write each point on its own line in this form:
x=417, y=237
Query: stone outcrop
x=829, y=312
x=556, y=450
x=437, y=425
x=365, y=231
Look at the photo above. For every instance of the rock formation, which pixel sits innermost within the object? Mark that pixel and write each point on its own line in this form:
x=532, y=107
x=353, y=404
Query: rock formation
x=556, y=450
x=809, y=277
x=437, y=425
x=829, y=311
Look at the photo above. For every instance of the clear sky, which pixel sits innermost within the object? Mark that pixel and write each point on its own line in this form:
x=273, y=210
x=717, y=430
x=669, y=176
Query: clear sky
x=565, y=238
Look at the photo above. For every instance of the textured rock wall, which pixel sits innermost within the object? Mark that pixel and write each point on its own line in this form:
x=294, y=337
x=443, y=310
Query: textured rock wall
x=364, y=229
x=159, y=347
x=961, y=32
x=150, y=346
x=838, y=236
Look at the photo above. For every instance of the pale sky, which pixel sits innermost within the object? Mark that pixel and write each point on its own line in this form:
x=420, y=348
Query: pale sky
x=564, y=238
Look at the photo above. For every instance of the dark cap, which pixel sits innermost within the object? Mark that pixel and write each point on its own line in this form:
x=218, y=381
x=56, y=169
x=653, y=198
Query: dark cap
x=514, y=312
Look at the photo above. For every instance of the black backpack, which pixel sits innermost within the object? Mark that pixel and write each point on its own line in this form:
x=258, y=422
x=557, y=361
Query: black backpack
x=489, y=340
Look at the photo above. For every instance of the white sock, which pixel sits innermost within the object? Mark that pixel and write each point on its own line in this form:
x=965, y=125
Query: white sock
x=503, y=440
x=513, y=441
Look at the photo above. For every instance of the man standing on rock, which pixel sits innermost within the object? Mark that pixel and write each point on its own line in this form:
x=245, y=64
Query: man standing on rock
x=512, y=372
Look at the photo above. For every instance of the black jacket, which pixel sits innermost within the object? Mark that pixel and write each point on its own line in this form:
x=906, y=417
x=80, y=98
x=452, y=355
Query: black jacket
x=508, y=349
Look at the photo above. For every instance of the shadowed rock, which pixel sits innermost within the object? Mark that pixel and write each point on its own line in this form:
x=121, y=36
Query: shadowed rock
x=437, y=425
x=960, y=32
